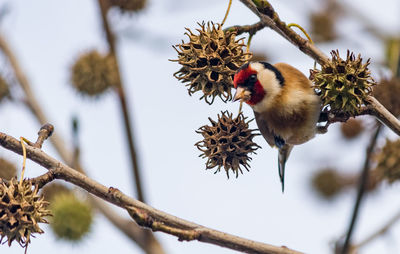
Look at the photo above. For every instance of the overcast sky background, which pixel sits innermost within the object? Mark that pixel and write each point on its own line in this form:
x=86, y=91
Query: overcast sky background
x=47, y=36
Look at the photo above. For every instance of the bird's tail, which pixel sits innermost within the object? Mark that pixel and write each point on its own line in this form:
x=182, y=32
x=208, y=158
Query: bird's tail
x=283, y=155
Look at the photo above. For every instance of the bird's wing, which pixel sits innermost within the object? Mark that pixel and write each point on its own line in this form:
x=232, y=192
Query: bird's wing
x=265, y=131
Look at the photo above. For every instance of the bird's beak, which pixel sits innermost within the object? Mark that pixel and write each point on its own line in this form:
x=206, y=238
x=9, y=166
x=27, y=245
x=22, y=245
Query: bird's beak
x=240, y=94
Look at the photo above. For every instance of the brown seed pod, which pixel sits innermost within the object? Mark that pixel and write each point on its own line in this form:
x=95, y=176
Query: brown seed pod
x=343, y=84
x=227, y=143
x=388, y=161
x=387, y=92
x=209, y=61
x=49, y=191
x=93, y=73
x=21, y=209
x=323, y=27
x=259, y=57
x=129, y=5
x=352, y=128
x=327, y=182
x=4, y=91
x=7, y=169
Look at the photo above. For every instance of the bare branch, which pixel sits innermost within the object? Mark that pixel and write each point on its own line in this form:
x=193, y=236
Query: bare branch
x=43, y=134
x=123, y=102
x=251, y=29
x=264, y=10
x=143, y=214
x=361, y=188
x=383, y=115
x=42, y=180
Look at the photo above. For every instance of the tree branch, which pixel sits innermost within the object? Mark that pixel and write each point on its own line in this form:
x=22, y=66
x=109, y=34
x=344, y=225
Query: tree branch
x=143, y=214
x=361, y=189
x=383, y=115
x=123, y=102
x=264, y=10
x=251, y=29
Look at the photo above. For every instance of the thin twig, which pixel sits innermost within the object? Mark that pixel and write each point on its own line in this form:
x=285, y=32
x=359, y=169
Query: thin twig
x=123, y=102
x=361, y=189
x=144, y=215
x=251, y=29
x=264, y=10
x=43, y=134
x=42, y=180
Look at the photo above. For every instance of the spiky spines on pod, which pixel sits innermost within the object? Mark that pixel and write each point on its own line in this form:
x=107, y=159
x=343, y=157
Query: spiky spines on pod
x=209, y=61
x=21, y=211
x=343, y=84
x=227, y=143
x=93, y=73
x=388, y=161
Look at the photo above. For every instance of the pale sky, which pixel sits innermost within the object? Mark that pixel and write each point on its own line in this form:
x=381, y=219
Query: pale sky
x=48, y=35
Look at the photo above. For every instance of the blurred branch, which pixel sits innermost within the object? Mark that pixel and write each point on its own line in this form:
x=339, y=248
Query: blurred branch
x=30, y=98
x=57, y=141
x=382, y=230
x=143, y=214
x=103, y=4
x=361, y=188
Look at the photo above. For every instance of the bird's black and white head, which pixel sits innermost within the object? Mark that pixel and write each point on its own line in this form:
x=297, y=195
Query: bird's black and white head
x=257, y=83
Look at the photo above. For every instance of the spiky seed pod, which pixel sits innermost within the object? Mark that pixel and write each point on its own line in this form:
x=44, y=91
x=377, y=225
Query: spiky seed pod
x=93, y=73
x=323, y=26
x=227, y=143
x=343, y=84
x=4, y=91
x=209, y=61
x=72, y=218
x=51, y=190
x=328, y=183
x=21, y=209
x=7, y=169
x=388, y=161
x=129, y=5
x=386, y=92
x=352, y=128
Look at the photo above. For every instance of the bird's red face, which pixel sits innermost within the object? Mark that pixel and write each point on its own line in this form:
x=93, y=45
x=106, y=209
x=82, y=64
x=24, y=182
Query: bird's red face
x=248, y=87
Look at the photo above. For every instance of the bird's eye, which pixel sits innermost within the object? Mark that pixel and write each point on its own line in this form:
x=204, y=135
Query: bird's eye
x=253, y=78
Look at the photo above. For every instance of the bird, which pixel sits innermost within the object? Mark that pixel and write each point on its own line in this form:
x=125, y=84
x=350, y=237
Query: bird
x=285, y=105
